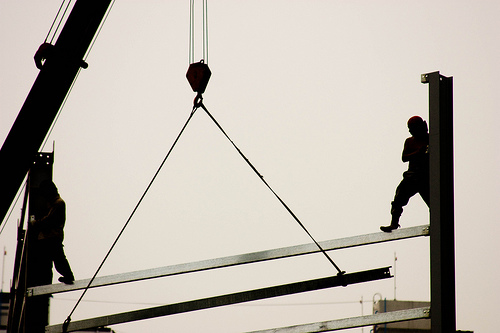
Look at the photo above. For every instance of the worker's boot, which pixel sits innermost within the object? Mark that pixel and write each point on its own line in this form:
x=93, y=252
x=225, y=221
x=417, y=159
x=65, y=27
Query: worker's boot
x=394, y=222
x=67, y=280
x=389, y=228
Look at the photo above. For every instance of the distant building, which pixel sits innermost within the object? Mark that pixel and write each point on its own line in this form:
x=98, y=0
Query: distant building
x=412, y=326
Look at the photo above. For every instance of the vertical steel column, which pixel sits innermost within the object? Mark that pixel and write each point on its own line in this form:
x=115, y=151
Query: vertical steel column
x=32, y=267
x=442, y=229
x=39, y=266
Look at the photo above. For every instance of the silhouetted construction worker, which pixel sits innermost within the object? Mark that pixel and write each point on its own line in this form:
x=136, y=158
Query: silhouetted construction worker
x=50, y=229
x=416, y=178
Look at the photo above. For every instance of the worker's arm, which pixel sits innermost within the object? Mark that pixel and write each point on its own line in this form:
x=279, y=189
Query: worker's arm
x=54, y=218
x=413, y=149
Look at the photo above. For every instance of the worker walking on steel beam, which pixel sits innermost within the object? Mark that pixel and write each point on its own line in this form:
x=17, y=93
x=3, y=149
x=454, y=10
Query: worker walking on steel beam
x=50, y=230
x=416, y=178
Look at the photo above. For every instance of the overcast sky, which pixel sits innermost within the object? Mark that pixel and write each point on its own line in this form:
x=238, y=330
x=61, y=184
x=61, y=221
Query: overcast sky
x=316, y=94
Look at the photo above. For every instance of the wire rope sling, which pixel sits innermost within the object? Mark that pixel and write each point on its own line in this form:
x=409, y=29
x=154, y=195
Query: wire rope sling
x=198, y=75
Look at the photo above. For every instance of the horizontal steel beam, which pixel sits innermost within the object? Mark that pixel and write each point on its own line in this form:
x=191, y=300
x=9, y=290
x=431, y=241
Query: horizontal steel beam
x=228, y=299
x=341, y=324
x=235, y=260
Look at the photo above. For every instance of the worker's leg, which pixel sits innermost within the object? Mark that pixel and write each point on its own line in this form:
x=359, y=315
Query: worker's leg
x=405, y=190
x=425, y=189
x=41, y=260
x=60, y=262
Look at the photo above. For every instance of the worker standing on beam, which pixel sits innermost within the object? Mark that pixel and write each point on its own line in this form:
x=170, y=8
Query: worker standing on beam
x=416, y=178
x=50, y=229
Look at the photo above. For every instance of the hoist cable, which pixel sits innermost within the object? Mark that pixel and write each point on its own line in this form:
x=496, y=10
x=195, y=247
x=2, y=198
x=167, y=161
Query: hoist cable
x=59, y=23
x=54, y=22
x=205, y=31
x=340, y=272
x=68, y=319
x=192, y=31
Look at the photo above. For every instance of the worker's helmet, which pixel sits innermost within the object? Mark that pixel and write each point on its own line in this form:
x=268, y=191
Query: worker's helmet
x=416, y=123
x=48, y=188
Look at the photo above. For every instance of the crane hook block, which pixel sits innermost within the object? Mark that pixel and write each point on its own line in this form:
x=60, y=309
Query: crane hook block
x=198, y=75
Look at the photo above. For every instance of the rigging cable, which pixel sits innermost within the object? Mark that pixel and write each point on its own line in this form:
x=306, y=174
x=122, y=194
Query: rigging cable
x=198, y=102
x=68, y=319
x=340, y=272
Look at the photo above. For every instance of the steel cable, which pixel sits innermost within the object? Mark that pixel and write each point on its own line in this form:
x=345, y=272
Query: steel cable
x=59, y=23
x=340, y=272
x=192, y=31
x=68, y=319
x=205, y=31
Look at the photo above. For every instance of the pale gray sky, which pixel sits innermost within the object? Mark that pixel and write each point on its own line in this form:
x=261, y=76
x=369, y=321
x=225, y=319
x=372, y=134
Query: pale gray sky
x=317, y=95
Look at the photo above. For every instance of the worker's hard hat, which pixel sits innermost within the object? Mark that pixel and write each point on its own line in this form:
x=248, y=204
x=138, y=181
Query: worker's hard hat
x=48, y=188
x=415, y=121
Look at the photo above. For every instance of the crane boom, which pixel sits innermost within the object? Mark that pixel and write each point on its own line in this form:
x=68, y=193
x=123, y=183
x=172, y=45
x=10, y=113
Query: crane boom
x=47, y=95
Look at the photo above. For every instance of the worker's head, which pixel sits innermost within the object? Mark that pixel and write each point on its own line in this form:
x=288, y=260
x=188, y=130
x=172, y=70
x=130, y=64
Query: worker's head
x=417, y=126
x=48, y=189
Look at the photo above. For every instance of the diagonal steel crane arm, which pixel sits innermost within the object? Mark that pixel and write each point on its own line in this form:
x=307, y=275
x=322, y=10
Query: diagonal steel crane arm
x=47, y=95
